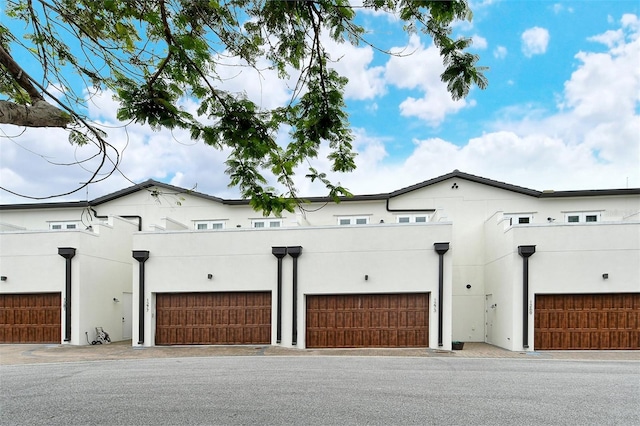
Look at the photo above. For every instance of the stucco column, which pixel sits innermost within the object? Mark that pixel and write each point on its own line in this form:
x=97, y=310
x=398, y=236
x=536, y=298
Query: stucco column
x=279, y=253
x=525, y=252
x=141, y=256
x=68, y=253
x=441, y=249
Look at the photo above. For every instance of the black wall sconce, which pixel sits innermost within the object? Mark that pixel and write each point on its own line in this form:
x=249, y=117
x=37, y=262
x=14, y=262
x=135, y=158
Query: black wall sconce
x=605, y=276
x=366, y=277
x=115, y=300
x=3, y=278
x=209, y=276
x=468, y=286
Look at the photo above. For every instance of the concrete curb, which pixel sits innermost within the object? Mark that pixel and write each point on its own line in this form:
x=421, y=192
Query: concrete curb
x=55, y=353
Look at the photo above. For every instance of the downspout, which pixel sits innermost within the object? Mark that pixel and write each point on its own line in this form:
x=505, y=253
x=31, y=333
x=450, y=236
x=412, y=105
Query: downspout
x=295, y=252
x=525, y=252
x=68, y=253
x=139, y=218
x=141, y=256
x=390, y=210
x=279, y=253
x=441, y=249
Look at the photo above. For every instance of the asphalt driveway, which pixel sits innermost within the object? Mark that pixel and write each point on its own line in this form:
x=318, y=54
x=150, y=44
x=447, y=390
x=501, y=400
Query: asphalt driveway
x=322, y=390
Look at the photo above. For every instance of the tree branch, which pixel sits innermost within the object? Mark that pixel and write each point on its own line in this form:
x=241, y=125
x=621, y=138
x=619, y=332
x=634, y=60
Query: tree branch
x=19, y=75
x=40, y=114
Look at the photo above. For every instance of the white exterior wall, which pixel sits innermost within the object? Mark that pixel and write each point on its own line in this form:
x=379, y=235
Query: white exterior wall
x=38, y=219
x=483, y=250
x=105, y=266
x=334, y=260
x=100, y=271
x=569, y=259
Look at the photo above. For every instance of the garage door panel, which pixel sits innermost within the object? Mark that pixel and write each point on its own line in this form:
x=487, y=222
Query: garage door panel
x=367, y=320
x=587, y=321
x=213, y=318
x=30, y=318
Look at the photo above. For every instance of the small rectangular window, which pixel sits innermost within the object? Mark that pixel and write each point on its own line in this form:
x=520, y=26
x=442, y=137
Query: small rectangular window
x=267, y=223
x=353, y=220
x=519, y=218
x=581, y=217
x=209, y=224
x=70, y=225
x=412, y=219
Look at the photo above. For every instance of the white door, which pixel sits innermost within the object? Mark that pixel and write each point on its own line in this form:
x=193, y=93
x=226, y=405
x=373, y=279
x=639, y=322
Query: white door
x=127, y=314
x=489, y=317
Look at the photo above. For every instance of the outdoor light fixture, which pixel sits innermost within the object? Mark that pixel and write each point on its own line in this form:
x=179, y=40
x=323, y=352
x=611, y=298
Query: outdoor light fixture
x=115, y=300
x=366, y=277
x=468, y=285
x=3, y=278
x=605, y=276
x=210, y=276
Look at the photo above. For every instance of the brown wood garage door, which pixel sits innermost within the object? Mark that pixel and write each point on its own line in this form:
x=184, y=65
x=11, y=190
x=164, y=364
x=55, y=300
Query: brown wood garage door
x=587, y=321
x=367, y=320
x=30, y=318
x=234, y=318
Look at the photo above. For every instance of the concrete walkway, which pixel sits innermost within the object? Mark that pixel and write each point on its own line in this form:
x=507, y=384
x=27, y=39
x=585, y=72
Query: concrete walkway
x=55, y=353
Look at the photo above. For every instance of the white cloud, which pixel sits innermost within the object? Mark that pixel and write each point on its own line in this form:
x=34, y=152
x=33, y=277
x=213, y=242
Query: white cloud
x=591, y=142
x=559, y=7
x=479, y=42
x=535, y=41
x=609, y=38
x=500, y=52
x=421, y=71
x=631, y=22
x=353, y=62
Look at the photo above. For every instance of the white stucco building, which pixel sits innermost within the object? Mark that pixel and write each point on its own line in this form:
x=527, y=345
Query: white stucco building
x=457, y=257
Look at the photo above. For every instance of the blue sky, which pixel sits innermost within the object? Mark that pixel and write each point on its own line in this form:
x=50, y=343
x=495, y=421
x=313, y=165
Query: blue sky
x=561, y=111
